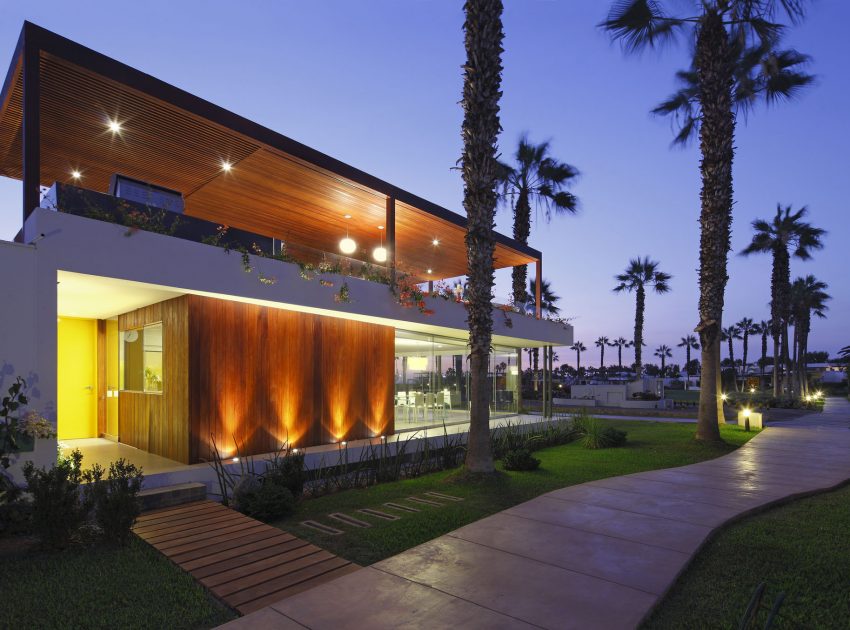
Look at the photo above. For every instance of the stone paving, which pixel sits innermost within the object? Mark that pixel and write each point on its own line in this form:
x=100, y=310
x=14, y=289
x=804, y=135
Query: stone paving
x=595, y=555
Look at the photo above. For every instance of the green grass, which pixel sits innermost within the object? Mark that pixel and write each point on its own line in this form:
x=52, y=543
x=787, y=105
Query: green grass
x=650, y=445
x=85, y=587
x=801, y=549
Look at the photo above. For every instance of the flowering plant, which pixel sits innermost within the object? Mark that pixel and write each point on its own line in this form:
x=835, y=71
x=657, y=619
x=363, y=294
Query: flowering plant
x=409, y=295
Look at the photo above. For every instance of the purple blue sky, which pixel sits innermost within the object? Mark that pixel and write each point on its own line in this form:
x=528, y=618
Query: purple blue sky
x=377, y=83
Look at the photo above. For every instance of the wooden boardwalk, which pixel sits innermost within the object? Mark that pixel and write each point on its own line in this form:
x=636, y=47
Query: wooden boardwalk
x=245, y=563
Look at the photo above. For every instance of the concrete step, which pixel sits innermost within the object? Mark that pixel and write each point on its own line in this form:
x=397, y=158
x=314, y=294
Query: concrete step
x=168, y=496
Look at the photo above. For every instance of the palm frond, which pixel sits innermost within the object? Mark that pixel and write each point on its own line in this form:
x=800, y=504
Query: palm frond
x=639, y=24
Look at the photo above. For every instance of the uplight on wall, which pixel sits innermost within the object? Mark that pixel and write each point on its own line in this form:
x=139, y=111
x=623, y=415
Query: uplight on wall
x=347, y=245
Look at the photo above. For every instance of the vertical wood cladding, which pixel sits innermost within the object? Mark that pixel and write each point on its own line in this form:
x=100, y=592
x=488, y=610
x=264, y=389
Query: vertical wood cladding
x=260, y=376
x=257, y=376
x=159, y=423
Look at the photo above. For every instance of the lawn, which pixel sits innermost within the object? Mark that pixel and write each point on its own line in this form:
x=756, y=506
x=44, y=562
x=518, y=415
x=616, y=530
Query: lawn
x=107, y=587
x=801, y=549
x=651, y=445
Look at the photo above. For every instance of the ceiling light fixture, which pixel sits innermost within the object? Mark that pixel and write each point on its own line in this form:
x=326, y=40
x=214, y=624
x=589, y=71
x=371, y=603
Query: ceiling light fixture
x=435, y=242
x=114, y=126
x=226, y=166
x=76, y=174
x=347, y=245
x=429, y=271
x=380, y=253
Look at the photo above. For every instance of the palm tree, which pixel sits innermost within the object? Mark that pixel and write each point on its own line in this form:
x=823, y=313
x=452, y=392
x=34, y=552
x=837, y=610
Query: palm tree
x=734, y=64
x=808, y=297
x=538, y=180
x=730, y=334
x=620, y=343
x=663, y=352
x=688, y=342
x=548, y=306
x=763, y=329
x=579, y=348
x=601, y=342
x=638, y=276
x=482, y=79
x=786, y=232
x=747, y=327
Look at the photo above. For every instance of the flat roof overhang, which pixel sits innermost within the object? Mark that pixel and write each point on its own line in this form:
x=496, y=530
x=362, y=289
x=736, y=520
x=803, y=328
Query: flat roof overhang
x=59, y=97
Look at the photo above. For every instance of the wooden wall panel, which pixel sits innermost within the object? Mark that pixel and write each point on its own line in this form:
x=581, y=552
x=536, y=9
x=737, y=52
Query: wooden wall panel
x=159, y=422
x=261, y=376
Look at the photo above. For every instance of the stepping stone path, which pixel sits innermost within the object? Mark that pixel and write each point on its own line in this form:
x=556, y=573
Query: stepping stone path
x=346, y=519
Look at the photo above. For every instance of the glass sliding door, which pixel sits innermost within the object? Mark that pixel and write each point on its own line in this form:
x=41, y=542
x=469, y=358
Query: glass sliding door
x=432, y=380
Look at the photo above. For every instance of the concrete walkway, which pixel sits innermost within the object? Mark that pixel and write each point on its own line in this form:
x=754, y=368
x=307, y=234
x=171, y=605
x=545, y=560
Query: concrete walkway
x=835, y=415
x=595, y=555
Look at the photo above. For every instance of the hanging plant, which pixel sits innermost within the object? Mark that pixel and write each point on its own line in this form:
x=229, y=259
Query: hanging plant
x=343, y=296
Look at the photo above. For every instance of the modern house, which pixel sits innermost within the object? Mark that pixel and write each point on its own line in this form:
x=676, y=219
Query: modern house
x=186, y=279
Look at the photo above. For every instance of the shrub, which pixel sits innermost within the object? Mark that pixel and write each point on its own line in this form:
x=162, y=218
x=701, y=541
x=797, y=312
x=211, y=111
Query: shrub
x=57, y=511
x=520, y=459
x=269, y=502
x=243, y=490
x=594, y=435
x=645, y=396
x=286, y=469
x=115, y=500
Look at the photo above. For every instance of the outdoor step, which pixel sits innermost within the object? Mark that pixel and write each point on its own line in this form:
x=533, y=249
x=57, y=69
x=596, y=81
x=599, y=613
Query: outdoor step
x=167, y=496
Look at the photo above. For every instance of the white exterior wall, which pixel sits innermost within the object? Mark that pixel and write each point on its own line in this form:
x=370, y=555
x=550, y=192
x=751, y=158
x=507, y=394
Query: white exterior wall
x=64, y=242
x=21, y=343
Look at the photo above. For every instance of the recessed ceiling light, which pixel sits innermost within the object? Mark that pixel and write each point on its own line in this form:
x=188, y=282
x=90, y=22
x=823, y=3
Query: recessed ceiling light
x=380, y=227
x=76, y=174
x=436, y=241
x=226, y=166
x=346, y=216
x=429, y=271
x=114, y=126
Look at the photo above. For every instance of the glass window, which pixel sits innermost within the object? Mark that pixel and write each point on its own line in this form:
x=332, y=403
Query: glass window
x=140, y=359
x=432, y=380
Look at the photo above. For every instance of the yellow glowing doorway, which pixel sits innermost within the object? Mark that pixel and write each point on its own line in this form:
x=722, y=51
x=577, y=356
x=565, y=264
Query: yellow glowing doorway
x=76, y=399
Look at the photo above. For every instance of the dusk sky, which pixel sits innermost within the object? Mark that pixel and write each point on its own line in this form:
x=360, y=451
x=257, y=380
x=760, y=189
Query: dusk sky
x=377, y=84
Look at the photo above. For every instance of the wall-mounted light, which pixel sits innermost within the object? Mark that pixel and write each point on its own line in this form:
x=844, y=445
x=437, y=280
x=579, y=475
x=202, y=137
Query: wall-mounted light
x=347, y=245
x=380, y=253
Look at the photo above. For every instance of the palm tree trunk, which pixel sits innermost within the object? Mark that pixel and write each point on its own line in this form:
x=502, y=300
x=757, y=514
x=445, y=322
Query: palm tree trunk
x=777, y=387
x=640, y=305
x=535, y=356
x=687, y=368
x=714, y=68
x=786, y=361
x=763, y=360
x=481, y=92
x=522, y=230
x=744, y=362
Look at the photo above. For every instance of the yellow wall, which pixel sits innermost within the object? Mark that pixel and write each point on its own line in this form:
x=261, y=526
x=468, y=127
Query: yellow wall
x=112, y=377
x=76, y=399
